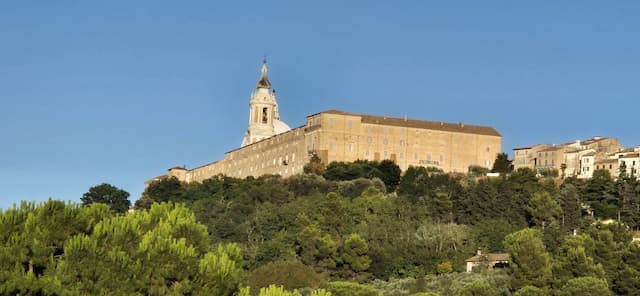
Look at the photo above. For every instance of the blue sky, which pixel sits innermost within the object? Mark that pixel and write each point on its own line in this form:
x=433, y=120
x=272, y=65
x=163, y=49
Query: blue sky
x=119, y=91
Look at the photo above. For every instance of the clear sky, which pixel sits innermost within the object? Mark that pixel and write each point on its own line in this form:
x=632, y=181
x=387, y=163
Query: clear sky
x=119, y=91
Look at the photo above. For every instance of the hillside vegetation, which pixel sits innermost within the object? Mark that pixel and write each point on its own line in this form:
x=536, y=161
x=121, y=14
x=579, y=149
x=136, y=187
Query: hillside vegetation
x=346, y=229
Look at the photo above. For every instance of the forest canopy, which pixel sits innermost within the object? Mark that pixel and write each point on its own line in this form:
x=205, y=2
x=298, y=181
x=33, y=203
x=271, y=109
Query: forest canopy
x=357, y=228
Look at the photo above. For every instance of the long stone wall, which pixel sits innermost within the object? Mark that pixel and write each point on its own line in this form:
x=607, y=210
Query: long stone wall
x=282, y=154
x=340, y=136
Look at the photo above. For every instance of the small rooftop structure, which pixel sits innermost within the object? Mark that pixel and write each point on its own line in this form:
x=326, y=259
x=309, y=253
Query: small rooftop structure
x=490, y=259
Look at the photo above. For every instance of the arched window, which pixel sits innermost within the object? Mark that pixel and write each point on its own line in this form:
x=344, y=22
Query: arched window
x=265, y=115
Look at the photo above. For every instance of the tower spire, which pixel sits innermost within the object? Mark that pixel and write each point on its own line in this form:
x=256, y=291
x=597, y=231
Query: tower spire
x=264, y=120
x=264, y=81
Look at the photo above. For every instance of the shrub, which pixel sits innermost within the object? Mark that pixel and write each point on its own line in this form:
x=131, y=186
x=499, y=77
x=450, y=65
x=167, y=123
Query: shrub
x=289, y=274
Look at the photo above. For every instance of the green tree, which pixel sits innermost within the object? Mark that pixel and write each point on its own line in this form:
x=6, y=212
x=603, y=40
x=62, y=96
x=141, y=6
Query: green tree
x=163, y=190
x=600, y=193
x=164, y=247
x=289, y=274
x=274, y=290
x=609, y=245
x=33, y=236
x=444, y=267
x=585, y=286
x=220, y=271
x=355, y=251
x=629, y=202
x=340, y=288
x=477, y=288
x=531, y=291
x=543, y=209
x=390, y=174
x=116, y=198
x=575, y=260
x=440, y=206
x=571, y=206
x=502, y=164
x=531, y=264
x=627, y=282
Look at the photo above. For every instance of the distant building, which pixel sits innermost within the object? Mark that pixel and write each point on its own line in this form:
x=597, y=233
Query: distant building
x=271, y=147
x=631, y=163
x=608, y=164
x=489, y=260
x=525, y=157
x=574, y=159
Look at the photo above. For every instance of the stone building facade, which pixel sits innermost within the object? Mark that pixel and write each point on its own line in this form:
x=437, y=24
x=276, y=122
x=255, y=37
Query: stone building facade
x=573, y=159
x=342, y=136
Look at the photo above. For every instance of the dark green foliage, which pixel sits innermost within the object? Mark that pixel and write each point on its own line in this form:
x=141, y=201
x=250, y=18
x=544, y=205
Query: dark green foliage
x=477, y=288
x=489, y=234
x=386, y=170
x=531, y=291
x=351, y=226
x=575, y=259
x=290, y=274
x=390, y=174
x=116, y=198
x=571, y=204
x=163, y=190
x=355, y=251
x=496, y=198
x=543, y=210
x=585, y=286
x=502, y=164
x=610, y=242
x=600, y=193
x=628, y=280
x=531, y=264
x=445, y=284
x=351, y=289
x=629, y=202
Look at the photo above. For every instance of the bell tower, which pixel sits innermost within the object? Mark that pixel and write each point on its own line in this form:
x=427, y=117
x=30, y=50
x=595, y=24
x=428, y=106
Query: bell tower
x=264, y=119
